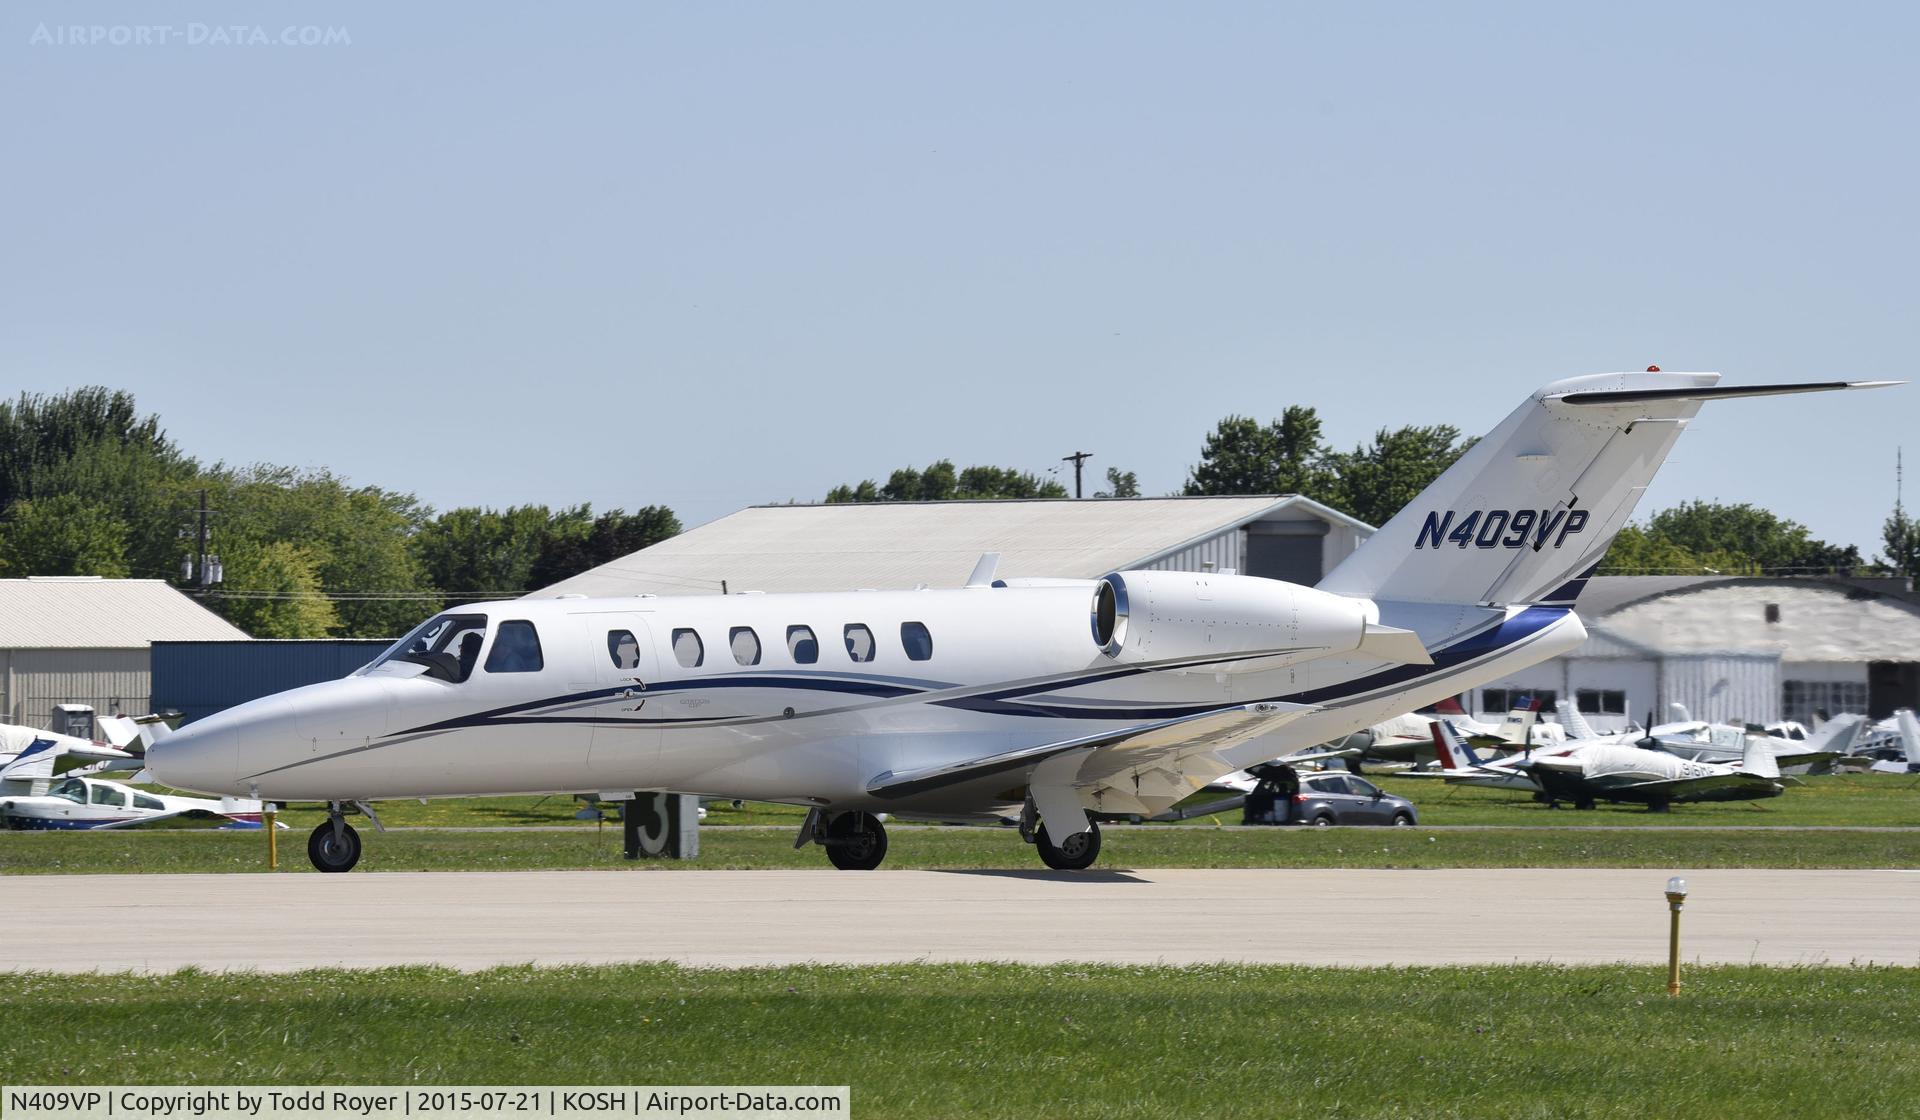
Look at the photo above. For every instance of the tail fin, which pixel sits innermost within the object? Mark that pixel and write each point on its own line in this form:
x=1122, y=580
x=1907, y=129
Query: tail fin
x=1454, y=754
x=35, y=763
x=1837, y=735
x=1757, y=760
x=1576, y=724
x=1519, y=722
x=1526, y=514
x=1909, y=733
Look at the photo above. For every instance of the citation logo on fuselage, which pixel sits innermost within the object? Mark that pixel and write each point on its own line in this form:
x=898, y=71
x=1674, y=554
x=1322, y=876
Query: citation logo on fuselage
x=1500, y=528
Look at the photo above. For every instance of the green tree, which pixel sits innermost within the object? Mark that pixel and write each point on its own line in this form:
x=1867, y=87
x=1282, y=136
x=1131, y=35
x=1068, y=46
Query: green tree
x=941, y=482
x=1120, y=484
x=1374, y=481
x=357, y=538
x=273, y=591
x=1901, y=536
x=1749, y=536
x=63, y=535
x=576, y=544
x=485, y=551
x=93, y=443
x=1286, y=456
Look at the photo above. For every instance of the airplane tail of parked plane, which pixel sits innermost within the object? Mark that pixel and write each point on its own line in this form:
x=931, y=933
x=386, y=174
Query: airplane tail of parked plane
x=1756, y=759
x=1526, y=514
x=1454, y=754
x=34, y=763
x=1519, y=723
x=1576, y=723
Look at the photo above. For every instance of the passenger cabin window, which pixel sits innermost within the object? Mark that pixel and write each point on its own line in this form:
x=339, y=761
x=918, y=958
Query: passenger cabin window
x=142, y=801
x=107, y=795
x=860, y=645
x=624, y=648
x=916, y=641
x=802, y=646
x=687, y=649
x=746, y=645
x=516, y=649
x=448, y=645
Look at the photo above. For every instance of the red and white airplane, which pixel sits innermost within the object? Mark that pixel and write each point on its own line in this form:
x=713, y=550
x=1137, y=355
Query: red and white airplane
x=1054, y=701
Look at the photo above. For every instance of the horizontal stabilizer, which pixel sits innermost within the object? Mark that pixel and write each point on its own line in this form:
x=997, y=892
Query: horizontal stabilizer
x=1390, y=643
x=1713, y=392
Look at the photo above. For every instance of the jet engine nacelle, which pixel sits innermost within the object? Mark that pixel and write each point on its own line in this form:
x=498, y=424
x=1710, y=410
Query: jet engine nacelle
x=1169, y=616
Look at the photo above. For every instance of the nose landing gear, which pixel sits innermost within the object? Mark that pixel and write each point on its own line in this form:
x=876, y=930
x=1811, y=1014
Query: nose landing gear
x=334, y=846
x=855, y=841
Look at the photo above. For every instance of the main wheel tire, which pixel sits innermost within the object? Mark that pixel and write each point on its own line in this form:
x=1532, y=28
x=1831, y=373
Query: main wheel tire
x=1323, y=821
x=333, y=853
x=1402, y=820
x=856, y=842
x=1077, y=854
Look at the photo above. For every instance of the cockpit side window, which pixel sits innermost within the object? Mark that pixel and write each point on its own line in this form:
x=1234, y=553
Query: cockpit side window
x=624, y=648
x=447, y=644
x=516, y=648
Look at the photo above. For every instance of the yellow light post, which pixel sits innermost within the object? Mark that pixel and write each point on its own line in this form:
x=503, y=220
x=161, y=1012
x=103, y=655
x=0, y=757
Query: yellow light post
x=273, y=838
x=1676, y=898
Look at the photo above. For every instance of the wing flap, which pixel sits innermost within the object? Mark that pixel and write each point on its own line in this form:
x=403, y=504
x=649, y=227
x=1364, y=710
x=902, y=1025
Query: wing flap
x=1140, y=766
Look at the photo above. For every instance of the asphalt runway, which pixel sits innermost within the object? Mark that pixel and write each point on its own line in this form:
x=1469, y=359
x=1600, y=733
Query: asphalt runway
x=75, y=923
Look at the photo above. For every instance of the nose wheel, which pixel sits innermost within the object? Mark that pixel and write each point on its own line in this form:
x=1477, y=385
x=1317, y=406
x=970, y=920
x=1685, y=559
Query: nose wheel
x=334, y=846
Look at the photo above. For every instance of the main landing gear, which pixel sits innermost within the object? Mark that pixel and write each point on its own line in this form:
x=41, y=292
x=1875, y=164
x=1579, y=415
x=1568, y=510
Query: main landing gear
x=335, y=846
x=1076, y=853
x=855, y=841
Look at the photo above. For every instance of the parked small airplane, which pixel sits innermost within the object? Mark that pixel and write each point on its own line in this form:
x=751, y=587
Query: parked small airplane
x=87, y=803
x=1894, y=747
x=1727, y=743
x=1409, y=738
x=1059, y=701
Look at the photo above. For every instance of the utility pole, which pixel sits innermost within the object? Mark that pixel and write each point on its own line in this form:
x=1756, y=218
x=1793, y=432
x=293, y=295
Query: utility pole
x=1077, y=458
x=207, y=568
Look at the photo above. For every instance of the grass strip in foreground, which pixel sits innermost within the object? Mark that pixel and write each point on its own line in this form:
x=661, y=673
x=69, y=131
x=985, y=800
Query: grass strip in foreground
x=1020, y=1041
x=977, y=848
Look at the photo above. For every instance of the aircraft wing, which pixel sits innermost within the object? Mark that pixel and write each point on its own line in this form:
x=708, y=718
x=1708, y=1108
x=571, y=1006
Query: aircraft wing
x=1144, y=769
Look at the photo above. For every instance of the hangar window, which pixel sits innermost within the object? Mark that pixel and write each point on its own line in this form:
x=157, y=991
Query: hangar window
x=1773, y=612
x=142, y=801
x=1601, y=701
x=1508, y=699
x=1802, y=700
x=687, y=648
x=916, y=640
x=802, y=646
x=107, y=795
x=624, y=649
x=860, y=644
x=746, y=645
x=516, y=649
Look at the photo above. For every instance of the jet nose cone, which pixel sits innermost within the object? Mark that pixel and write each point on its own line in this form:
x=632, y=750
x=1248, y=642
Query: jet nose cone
x=205, y=756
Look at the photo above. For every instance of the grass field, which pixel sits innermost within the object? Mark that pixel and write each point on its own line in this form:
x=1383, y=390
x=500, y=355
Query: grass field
x=959, y=848
x=1017, y=1041
x=1856, y=800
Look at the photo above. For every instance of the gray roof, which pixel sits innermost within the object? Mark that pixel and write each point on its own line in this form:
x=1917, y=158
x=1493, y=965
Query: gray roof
x=1605, y=595
x=896, y=545
x=87, y=612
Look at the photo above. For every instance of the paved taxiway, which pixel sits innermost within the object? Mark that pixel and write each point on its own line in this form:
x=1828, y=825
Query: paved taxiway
x=726, y=918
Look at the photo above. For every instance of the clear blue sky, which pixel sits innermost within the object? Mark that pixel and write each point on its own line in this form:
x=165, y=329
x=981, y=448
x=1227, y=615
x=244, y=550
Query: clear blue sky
x=709, y=255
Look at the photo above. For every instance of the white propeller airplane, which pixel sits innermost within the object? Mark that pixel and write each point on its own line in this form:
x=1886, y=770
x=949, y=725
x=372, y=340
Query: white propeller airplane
x=1584, y=772
x=1727, y=743
x=1052, y=699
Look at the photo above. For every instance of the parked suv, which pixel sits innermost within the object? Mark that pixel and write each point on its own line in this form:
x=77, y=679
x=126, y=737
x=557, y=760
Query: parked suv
x=1329, y=797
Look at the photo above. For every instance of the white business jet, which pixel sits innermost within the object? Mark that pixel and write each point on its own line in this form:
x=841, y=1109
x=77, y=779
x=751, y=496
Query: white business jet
x=1061, y=701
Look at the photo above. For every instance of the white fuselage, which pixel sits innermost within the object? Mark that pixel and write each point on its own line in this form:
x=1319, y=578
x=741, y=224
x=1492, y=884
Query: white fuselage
x=1009, y=667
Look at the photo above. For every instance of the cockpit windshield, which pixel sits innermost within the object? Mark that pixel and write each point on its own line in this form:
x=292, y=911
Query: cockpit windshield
x=447, y=644
x=73, y=789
